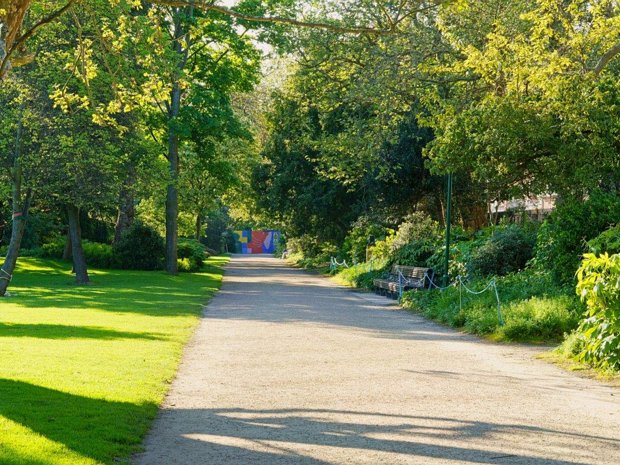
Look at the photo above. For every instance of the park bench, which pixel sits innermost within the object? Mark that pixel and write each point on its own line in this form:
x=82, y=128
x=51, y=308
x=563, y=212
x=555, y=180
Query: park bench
x=403, y=278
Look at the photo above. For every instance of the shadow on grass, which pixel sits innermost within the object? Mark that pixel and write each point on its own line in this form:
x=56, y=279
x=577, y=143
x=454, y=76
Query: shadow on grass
x=43, y=283
x=49, y=331
x=96, y=428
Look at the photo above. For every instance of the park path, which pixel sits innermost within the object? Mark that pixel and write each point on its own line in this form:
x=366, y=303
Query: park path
x=289, y=368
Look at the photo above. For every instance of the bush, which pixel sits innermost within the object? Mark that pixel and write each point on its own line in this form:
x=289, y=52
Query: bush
x=140, y=248
x=98, y=255
x=187, y=265
x=562, y=239
x=362, y=275
x=281, y=246
x=533, y=308
x=415, y=253
x=606, y=242
x=416, y=227
x=460, y=254
x=508, y=250
x=540, y=318
x=192, y=250
x=54, y=249
x=382, y=250
x=308, y=252
x=599, y=287
x=354, y=247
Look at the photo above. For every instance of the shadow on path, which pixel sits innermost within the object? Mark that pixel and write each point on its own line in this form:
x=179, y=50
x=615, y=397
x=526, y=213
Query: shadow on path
x=247, y=436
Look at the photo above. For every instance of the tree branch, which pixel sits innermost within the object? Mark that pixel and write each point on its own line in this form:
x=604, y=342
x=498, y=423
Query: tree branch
x=24, y=37
x=206, y=6
x=606, y=58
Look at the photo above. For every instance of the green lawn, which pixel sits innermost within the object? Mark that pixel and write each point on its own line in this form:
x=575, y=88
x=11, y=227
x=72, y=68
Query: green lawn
x=83, y=369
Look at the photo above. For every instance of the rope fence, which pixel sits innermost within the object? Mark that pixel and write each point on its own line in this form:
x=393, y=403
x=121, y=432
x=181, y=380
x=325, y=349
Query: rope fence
x=404, y=282
x=334, y=264
x=491, y=286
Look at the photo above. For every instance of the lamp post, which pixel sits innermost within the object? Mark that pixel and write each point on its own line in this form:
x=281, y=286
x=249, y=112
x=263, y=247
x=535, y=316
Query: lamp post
x=448, y=228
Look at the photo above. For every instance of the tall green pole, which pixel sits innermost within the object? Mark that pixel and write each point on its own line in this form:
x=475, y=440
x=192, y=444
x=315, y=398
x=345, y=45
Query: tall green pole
x=448, y=227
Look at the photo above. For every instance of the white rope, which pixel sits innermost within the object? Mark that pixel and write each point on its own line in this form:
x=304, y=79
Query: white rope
x=459, y=281
x=333, y=263
x=471, y=291
x=430, y=280
x=7, y=276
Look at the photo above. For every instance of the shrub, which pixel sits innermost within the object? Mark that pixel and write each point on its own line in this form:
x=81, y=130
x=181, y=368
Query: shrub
x=416, y=227
x=539, y=318
x=140, y=248
x=98, y=255
x=599, y=287
x=533, y=308
x=354, y=247
x=607, y=242
x=192, y=250
x=506, y=251
x=305, y=245
x=382, y=250
x=281, y=246
x=562, y=239
x=187, y=265
x=362, y=275
x=415, y=253
x=54, y=249
x=460, y=253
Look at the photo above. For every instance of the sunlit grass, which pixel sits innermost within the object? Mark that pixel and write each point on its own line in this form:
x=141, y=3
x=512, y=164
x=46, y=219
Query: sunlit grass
x=83, y=369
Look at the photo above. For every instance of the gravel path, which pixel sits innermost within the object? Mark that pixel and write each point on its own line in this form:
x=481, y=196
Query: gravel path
x=288, y=368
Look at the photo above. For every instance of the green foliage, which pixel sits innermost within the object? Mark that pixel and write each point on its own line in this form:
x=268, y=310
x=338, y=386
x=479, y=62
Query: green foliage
x=95, y=361
x=417, y=226
x=281, y=246
x=362, y=274
x=192, y=253
x=607, y=242
x=140, y=248
x=54, y=249
x=415, y=241
x=460, y=254
x=562, y=238
x=186, y=265
x=506, y=251
x=415, y=253
x=217, y=224
x=356, y=243
x=533, y=308
x=97, y=255
x=540, y=318
x=599, y=288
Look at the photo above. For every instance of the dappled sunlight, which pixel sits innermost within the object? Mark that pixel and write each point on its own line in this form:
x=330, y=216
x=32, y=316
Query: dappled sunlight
x=323, y=436
x=84, y=368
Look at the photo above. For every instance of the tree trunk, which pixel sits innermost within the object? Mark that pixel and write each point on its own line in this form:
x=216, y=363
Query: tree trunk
x=17, y=233
x=172, y=194
x=198, y=226
x=20, y=214
x=79, y=260
x=66, y=254
x=126, y=213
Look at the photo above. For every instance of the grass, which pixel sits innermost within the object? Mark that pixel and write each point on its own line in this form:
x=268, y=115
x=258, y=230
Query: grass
x=83, y=369
x=533, y=308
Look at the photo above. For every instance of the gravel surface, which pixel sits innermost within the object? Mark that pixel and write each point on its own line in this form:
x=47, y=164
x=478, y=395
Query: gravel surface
x=289, y=368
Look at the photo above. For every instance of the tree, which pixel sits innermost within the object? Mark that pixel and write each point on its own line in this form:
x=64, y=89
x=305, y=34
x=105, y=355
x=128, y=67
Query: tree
x=545, y=94
x=19, y=131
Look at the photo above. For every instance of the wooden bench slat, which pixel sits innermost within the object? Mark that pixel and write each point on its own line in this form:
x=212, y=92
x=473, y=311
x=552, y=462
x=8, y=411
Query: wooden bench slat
x=415, y=278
